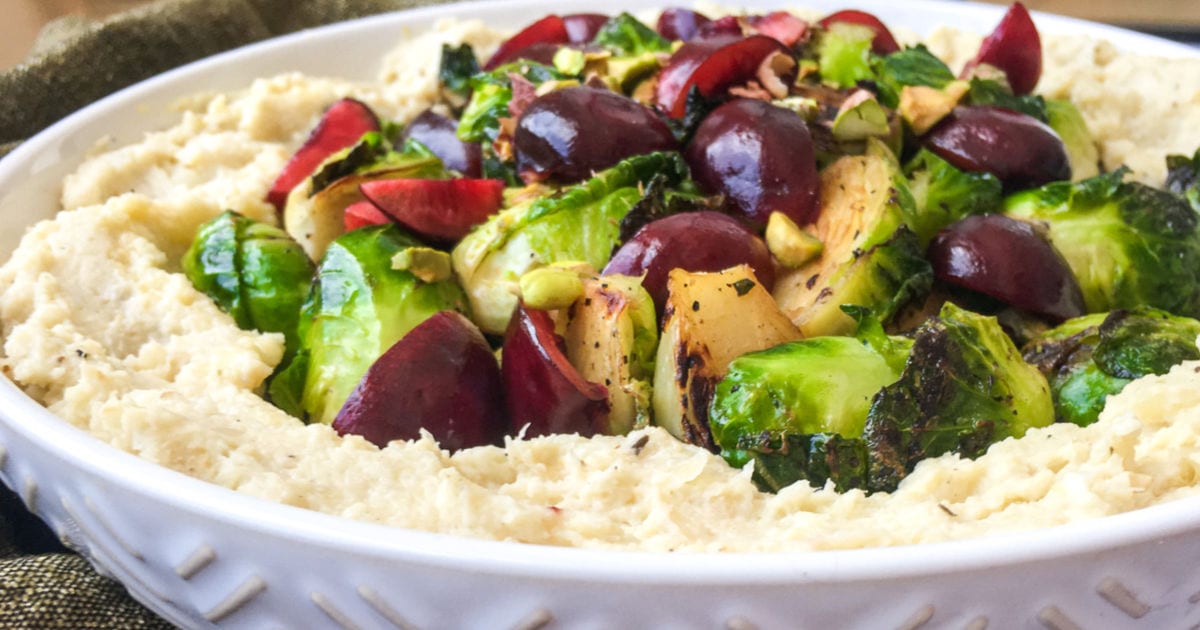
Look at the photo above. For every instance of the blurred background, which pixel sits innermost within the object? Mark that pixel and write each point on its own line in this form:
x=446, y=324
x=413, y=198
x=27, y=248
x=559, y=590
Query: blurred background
x=1177, y=19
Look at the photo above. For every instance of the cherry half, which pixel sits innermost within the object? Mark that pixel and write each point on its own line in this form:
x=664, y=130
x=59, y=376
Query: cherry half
x=542, y=389
x=441, y=377
x=1014, y=47
x=1009, y=260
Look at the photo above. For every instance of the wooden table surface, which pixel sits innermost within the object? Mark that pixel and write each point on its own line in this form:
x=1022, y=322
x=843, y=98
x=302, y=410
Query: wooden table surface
x=24, y=18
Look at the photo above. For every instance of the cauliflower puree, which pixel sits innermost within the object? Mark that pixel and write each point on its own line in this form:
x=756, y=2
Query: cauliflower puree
x=98, y=325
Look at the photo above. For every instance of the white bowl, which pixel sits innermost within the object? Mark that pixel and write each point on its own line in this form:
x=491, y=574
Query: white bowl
x=204, y=556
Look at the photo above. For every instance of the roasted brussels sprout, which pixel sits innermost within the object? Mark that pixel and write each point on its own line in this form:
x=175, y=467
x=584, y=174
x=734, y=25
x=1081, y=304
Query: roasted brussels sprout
x=491, y=93
x=1183, y=177
x=784, y=407
x=580, y=223
x=870, y=257
x=1127, y=243
x=314, y=213
x=945, y=194
x=964, y=387
x=253, y=271
x=358, y=307
x=914, y=66
x=844, y=54
x=957, y=387
x=1064, y=118
x=1089, y=358
x=625, y=36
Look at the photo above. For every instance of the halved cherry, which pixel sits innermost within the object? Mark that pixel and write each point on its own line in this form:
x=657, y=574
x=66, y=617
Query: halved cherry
x=582, y=27
x=1019, y=149
x=442, y=210
x=342, y=125
x=1014, y=47
x=781, y=25
x=441, y=377
x=363, y=213
x=541, y=387
x=727, y=25
x=712, y=65
x=548, y=30
x=683, y=24
x=883, y=43
x=440, y=135
x=1009, y=260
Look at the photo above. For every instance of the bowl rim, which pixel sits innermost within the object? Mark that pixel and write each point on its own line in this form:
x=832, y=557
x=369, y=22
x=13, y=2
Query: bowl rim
x=23, y=415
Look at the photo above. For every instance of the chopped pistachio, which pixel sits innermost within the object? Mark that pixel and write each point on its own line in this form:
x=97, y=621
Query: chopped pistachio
x=549, y=86
x=922, y=106
x=550, y=287
x=805, y=107
x=791, y=245
x=860, y=117
x=569, y=61
x=426, y=263
x=629, y=71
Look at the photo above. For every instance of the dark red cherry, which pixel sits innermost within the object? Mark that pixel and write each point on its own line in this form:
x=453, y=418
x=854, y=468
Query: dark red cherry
x=1014, y=47
x=683, y=24
x=1019, y=149
x=695, y=241
x=568, y=134
x=760, y=157
x=440, y=135
x=1009, y=260
x=542, y=389
x=713, y=65
x=441, y=377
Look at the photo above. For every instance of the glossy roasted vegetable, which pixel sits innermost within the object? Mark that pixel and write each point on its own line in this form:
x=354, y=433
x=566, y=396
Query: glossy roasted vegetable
x=253, y=271
x=1129, y=244
x=870, y=257
x=957, y=387
x=359, y=306
x=944, y=194
x=579, y=223
x=710, y=319
x=964, y=387
x=784, y=407
x=1090, y=358
x=1183, y=177
x=611, y=336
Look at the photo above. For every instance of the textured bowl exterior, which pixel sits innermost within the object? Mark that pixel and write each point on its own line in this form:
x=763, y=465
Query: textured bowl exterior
x=207, y=557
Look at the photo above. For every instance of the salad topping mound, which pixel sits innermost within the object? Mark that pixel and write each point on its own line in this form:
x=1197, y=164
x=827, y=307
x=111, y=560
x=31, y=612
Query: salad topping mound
x=695, y=282
x=797, y=244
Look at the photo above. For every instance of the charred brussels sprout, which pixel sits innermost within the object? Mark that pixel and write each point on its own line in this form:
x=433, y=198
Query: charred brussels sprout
x=359, y=306
x=965, y=386
x=253, y=271
x=1089, y=358
x=844, y=54
x=861, y=412
x=1127, y=243
x=870, y=257
x=1183, y=177
x=625, y=36
x=945, y=194
x=491, y=93
x=579, y=223
x=798, y=409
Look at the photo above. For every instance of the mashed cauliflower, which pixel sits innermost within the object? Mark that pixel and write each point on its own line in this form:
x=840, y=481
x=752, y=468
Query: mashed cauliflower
x=98, y=325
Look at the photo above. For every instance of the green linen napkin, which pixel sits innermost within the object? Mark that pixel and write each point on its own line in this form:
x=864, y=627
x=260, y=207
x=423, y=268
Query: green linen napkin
x=76, y=61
